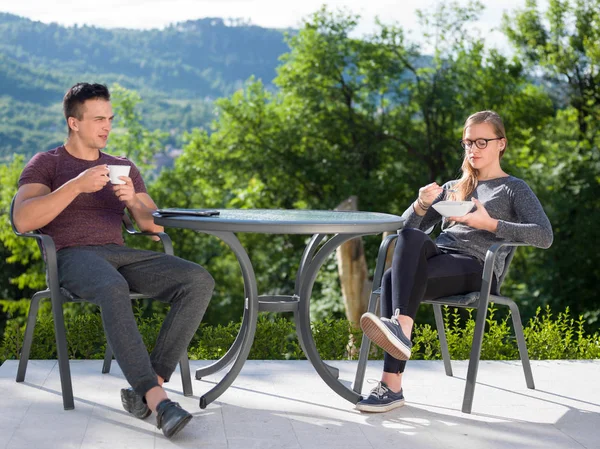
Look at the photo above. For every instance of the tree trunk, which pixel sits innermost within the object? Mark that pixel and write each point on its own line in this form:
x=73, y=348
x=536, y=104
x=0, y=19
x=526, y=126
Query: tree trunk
x=353, y=271
x=390, y=253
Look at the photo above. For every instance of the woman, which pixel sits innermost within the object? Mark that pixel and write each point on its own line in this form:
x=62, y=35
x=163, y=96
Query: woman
x=505, y=208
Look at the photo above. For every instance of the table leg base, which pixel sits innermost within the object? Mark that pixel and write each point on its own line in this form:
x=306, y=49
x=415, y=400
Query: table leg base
x=203, y=403
x=333, y=370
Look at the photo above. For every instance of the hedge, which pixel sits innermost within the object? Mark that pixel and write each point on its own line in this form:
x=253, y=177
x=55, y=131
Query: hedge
x=548, y=337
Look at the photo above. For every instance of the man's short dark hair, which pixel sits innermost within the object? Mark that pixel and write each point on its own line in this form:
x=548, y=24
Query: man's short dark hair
x=79, y=94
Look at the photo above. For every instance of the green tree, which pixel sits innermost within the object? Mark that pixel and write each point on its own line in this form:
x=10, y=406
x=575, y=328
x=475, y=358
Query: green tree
x=23, y=262
x=565, y=49
x=371, y=117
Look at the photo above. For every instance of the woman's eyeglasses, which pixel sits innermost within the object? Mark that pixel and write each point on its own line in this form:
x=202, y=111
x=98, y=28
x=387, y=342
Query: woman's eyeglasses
x=479, y=143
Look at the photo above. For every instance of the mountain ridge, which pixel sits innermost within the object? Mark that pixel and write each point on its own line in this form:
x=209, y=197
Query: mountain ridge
x=182, y=67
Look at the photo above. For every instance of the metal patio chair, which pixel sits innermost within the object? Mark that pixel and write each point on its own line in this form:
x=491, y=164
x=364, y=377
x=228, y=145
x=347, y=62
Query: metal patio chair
x=59, y=296
x=473, y=300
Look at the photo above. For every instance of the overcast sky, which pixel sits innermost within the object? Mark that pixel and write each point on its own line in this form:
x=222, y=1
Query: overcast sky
x=267, y=13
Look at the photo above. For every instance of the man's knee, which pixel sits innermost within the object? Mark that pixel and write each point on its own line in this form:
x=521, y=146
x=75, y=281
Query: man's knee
x=103, y=292
x=112, y=288
x=198, y=278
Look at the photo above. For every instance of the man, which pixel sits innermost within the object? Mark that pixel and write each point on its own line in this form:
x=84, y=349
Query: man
x=65, y=193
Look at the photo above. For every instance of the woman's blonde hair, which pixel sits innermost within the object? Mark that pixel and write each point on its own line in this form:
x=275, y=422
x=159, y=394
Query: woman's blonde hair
x=468, y=181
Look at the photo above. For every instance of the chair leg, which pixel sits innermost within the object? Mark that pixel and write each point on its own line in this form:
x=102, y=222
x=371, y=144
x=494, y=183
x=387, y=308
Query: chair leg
x=186, y=379
x=365, y=348
x=28, y=338
x=363, y=358
x=108, y=356
x=63, y=355
x=474, y=358
x=439, y=323
x=518, y=325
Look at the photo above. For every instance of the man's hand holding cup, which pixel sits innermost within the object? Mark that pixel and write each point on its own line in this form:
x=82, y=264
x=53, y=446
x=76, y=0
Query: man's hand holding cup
x=122, y=183
x=93, y=179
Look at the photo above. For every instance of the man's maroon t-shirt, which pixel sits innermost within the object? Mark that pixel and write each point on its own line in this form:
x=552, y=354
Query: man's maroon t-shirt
x=92, y=218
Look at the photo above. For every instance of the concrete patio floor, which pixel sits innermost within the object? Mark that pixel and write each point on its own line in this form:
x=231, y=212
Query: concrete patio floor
x=285, y=404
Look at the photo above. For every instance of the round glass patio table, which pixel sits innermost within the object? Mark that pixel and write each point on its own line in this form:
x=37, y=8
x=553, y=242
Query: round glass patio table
x=340, y=225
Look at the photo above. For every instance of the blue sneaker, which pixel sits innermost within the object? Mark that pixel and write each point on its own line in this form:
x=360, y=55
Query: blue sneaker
x=387, y=334
x=381, y=399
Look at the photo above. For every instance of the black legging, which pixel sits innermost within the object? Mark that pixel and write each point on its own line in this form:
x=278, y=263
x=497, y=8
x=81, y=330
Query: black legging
x=422, y=271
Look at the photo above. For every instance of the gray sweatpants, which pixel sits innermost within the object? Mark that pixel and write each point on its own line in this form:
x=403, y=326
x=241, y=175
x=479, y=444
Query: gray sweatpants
x=105, y=274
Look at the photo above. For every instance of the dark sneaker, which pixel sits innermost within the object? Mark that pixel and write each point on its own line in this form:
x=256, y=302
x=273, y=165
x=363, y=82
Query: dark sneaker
x=134, y=403
x=381, y=399
x=171, y=418
x=387, y=334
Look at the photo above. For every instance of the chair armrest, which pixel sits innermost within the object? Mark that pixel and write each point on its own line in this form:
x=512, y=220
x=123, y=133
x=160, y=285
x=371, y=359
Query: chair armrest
x=48, y=250
x=163, y=236
x=490, y=258
x=488, y=268
x=381, y=257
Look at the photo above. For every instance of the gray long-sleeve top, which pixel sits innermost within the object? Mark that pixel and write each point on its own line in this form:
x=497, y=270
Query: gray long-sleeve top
x=520, y=216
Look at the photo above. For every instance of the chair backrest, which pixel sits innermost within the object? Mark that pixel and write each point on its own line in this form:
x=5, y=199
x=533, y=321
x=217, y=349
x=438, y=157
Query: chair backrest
x=10, y=216
x=507, y=261
x=12, y=224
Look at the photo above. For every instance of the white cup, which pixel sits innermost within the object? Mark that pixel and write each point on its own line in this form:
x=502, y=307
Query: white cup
x=114, y=171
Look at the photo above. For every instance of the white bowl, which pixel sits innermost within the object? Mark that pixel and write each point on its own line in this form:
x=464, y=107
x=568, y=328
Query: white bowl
x=453, y=208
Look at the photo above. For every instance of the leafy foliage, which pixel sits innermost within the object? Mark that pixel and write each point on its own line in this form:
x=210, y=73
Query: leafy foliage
x=547, y=338
x=564, y=47
x=370, y=117
x=24, y=252
x=374, y=117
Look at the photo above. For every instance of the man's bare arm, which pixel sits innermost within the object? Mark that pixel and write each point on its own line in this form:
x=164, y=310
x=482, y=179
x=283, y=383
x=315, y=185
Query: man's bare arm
x=142, y=213
x=36, y=205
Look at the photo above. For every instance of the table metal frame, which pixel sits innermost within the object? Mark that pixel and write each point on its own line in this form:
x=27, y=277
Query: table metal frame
x=312, y=259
